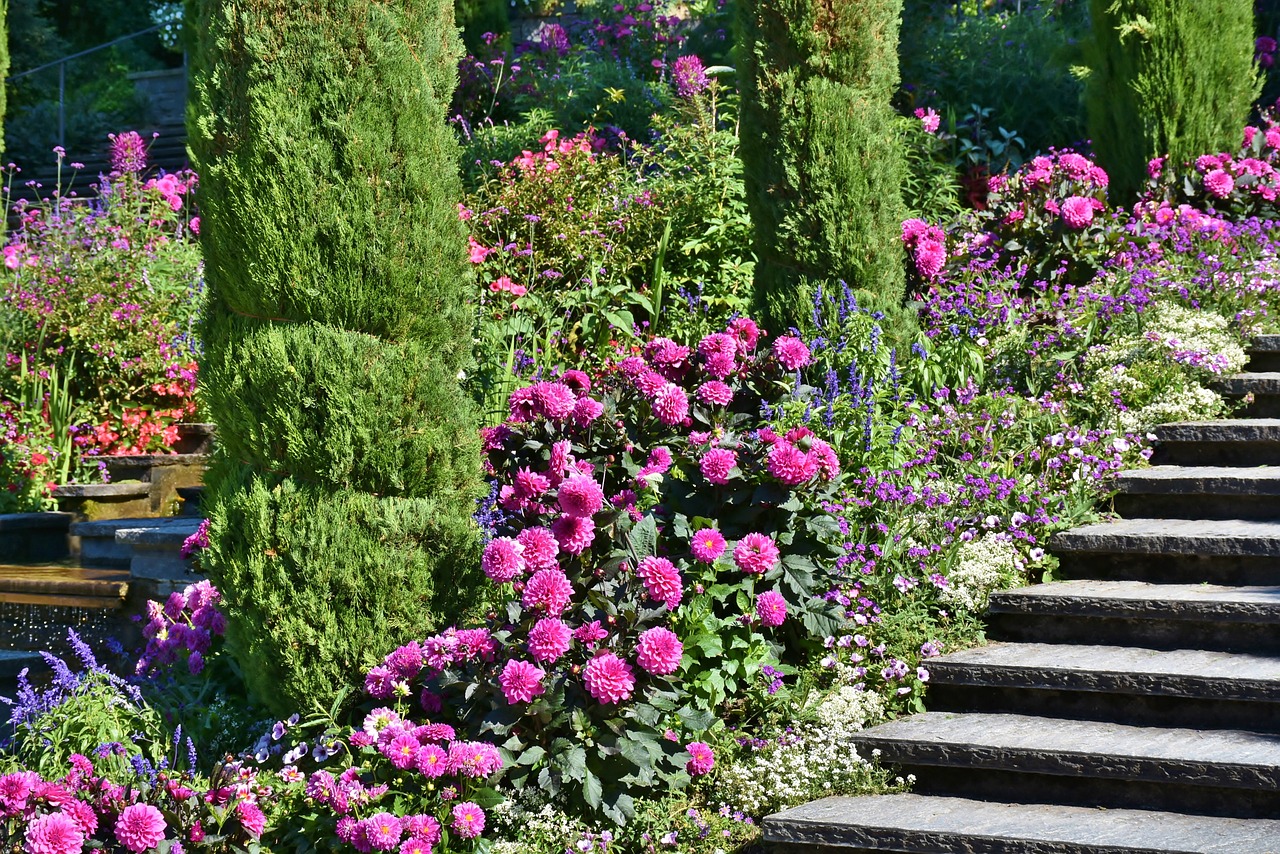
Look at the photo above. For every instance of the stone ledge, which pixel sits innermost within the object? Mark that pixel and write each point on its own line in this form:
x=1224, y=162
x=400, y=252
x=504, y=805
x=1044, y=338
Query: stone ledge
x=1142, y=600
x=1226, y=430
x=1195, y=481
x=16, y=522
x=1238, y=385
x=100, y=491
x=1174, y=537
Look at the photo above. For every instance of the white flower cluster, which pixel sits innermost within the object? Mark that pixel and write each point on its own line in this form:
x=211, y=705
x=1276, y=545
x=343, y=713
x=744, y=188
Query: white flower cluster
x=1193, y=403
x=983, y=565
x=811, y=761
x=1200, y=339
x=527, y=824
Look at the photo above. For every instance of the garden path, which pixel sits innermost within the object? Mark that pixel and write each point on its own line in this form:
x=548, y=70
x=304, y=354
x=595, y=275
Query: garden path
x=1134, y=706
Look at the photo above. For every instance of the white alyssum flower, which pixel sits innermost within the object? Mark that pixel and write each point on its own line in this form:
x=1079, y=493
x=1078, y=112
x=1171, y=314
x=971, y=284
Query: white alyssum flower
x=982, y=565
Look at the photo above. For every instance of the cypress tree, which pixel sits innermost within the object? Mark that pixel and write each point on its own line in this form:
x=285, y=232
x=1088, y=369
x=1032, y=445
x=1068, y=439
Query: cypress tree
x=4, y=65
x=822, y=156
x=336, y=326
x=1167, y=78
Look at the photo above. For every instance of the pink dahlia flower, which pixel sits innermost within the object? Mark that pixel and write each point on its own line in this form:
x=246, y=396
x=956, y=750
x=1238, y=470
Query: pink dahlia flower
x=574, y=533
x=659, y=651
x=83, y=815
x=429, y=733
x=792, y=353
x=415, y=845
x=577, y=380
x=521, y=681
x=587, y=410
x=474, y=758
x=670, y=404
x=468, y=820
x=791, y=465
x=662, y=580
x=715, y=393
x=406, y=661
x=15, y=789
x=771, y=608
x=139, y=827
x=1077, y=211
x=383, y=831
x=707, y=545
x=554, y=400
x=548, y=590
x=716, y=465
x=701, y=758
x=581, y=496
x=756, y=554
x=432, y=760
x=747, y=332
x=1219, y=183
x=54, y=833
x=502, y=560
x=608, y=678
x=402, y=751
x=930, y=256
x=589, y=634
x=540, y=548
x=423, y=826
x=549, y=639
x=251, y=818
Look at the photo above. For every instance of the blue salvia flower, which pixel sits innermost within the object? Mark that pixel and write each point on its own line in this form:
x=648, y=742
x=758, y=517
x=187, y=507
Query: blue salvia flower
x=191, y=755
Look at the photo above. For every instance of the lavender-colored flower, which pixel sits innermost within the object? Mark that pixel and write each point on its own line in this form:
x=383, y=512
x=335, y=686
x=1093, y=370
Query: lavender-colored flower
x=128, y=152
x=689, y=76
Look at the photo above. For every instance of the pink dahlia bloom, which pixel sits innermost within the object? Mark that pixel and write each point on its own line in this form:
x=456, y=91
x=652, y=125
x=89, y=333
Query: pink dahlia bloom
x=792, y=353
x=649, y=382
x=434, y=732
x=424, y=827
x=791, y=465
x=54, y=833
x=581, y=496
x=468, y=820
x=83, y=815
x=589, y=634
x=756, y=554
x=554, y=400
x=530, y=485
x=771, y=608
x=823, y=456
x=415, y=845
x=574, y=533
x=715, y=393
x=139, y=827
x=745, y=330
x=15, y=789
x=474, y=758
x=659, y=651
x=402, y=751
x=1077, y=211
x=707, y=545
x=549, y=639
x=502, y=560
x=521, y=681
x=670, y=404
x=577, y=380
x=930, y=256
x=251, y=818
x=548, y=590
x=383, y=831
x=608, y=678
x=1219, y=183
x=406, y=661
x=719, y=352
x=662, y=580
x=701, y=758
x=432, y=761
x=587, y=410
x=540, y=548
x=716, y=465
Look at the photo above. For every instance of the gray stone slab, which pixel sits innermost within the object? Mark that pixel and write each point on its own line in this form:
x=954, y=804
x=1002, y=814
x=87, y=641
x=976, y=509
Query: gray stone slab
x=17, y=522
x=918, y=823
x=1143, y=600
x=151, y=460
x=111, y=528
x=1173, y=537
x=1238, y=385
x=1201, y=480
x=1225, y=430
x=1033, y=745
x=159, y=564
x=103, y=491
x=1197, y=674
x=173, y=533
x=1265, y=343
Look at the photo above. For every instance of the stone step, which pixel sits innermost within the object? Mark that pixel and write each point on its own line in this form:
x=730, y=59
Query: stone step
x=1139, y=613
x=34, y=537
x=1199, y=492
x=918, y=824
x=92, y=501
x=62, y=581
x=110, y=543
x=1263, y=385
x=1182, y=688
x=1220, y=551
x=1229, y=442
x=1087, y=763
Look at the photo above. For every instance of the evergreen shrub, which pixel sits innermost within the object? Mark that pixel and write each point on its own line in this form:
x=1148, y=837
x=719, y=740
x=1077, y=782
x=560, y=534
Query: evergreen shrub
x=336, y=327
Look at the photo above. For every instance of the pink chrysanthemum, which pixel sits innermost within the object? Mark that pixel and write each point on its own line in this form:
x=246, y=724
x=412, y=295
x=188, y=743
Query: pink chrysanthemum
x=540, y=548
x=756, y=554
x=1219, y=183
x=54, y=833
x=715, y=393
x=502, y=560
x=139, y=827
x=521, y=681
x=403, y=750
x=406, y=661
x=549, y=639
x=670, y=404
x=468, y=820
x=554, y=400
x=423, y=826
x=429, y=733
x=790, y=465
x=771, y=608
x=745, y=330
x=415, y=845
x=548, y=590
x=659, y=651
x=581, y=496
x=1077, y=212
x=15, y=789
x=383, y=831
x=83, y=815
x=432, y=760
x=701, y=758
x=662, y=580
x=707, y=545
x=792, y=353
x=649, y=382
x=930, y=257
x=608, y=678
x=251, y=818
x=574, y=533
x=671, y=359
x=587, y=410
x=716, y=464
x=530, y=485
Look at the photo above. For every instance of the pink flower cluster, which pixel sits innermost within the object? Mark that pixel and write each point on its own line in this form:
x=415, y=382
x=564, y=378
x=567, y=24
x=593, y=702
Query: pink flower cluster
x=799, y=456
x=187, y=622
x=927, y=245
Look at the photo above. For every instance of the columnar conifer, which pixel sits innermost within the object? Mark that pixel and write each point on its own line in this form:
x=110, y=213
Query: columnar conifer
x=823, y=162
x=336, y=327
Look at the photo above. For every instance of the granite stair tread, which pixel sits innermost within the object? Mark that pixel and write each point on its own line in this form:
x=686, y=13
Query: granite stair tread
x=1141, y=599
x=1202, y=480
x=1120, y=669
x=1257, y=382
x=1213, y=537
x=63, y=581
x=1026, y=744
x=1265, y=344
x=1225, y=430
x=919, y=823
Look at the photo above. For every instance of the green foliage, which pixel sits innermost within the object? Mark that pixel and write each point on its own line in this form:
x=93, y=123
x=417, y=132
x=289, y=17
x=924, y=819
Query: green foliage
x=820, y=144
x=1167, y=78
x=477, y=18
x=338, y=321
x=4, y=63
x=930, y=190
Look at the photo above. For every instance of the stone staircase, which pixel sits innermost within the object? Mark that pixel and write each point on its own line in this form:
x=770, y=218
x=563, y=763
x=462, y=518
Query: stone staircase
x=1135, y=706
